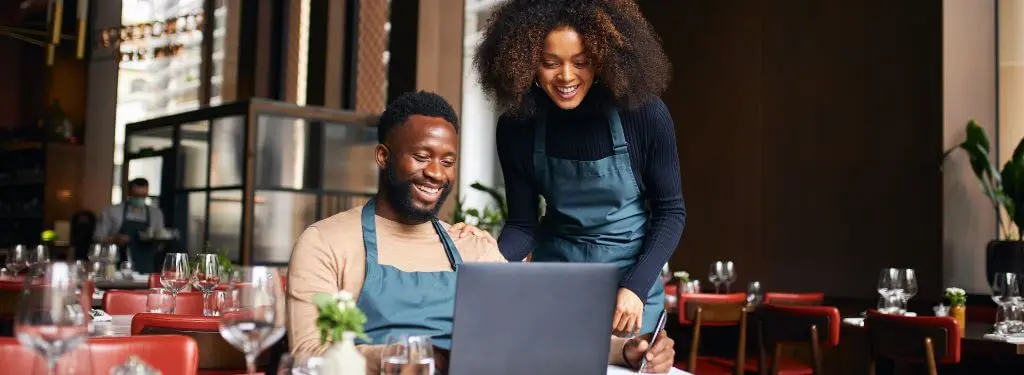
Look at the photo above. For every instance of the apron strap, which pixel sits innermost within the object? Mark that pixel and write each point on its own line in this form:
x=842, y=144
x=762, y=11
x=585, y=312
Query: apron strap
x=368, y=218
x=618, y=135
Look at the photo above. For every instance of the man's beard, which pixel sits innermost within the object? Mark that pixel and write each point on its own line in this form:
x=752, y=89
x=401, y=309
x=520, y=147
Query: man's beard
x=399, y=195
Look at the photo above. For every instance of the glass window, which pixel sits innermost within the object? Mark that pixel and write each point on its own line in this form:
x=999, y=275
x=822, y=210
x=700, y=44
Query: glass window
x=349, y=164
x=226, y=222
x=282, y=152
x=194, y=151
x=151, y=139
x=190, y=218
x=280, y=217
x=227, y=160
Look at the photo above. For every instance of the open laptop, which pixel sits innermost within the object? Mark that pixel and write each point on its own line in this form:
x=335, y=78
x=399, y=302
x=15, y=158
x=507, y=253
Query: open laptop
x=533, y=318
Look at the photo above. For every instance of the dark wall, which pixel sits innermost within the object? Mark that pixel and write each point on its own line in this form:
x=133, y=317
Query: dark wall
x=810, y=135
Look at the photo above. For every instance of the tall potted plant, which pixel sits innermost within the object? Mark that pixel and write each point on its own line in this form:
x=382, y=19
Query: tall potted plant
x=1005, y=189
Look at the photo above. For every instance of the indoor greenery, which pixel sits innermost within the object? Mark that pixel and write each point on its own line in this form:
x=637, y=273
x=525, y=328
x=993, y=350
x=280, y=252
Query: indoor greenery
x=1005, y=189
x=490, y=219
x=338, y=314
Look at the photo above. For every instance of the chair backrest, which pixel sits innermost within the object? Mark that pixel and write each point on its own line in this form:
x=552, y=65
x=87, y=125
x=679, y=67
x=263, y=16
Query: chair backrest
x=811, y=325
x=928, y=339
x=10, y=296
x=716, y=309
x=794, y=298
x=170, y=354
x=214, y=352
x=124, y=302
x=699, y=310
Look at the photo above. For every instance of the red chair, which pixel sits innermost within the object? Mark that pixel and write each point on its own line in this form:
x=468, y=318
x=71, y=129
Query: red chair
x=794, y=298
x=928, y=339
x=216, y=356
x=170, y=354
x=714, y=310
x=124, y=302
x=815, y=326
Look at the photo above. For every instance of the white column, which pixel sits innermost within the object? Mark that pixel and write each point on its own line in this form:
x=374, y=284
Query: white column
x=969, y=92
x=479, y=161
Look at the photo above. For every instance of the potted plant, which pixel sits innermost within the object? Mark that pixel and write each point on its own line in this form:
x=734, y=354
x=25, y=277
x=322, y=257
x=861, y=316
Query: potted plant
x=340, y=321
x=1005, y=190
x=957, y=306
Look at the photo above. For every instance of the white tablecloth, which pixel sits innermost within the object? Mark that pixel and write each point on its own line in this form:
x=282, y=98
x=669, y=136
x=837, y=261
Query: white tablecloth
x=119, y=325
x=616, y=370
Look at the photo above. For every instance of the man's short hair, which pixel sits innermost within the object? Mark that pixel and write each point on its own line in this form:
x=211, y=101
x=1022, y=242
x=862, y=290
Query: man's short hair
x=414, y=103
x=138, y=182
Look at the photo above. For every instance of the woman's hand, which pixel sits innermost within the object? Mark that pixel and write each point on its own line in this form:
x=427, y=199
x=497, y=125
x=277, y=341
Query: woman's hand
x=659, y=357
x=629, y=313
x=460, y=230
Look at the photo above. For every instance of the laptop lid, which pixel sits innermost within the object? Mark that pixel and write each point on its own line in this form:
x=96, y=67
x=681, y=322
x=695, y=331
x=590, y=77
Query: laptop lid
x=533, y=318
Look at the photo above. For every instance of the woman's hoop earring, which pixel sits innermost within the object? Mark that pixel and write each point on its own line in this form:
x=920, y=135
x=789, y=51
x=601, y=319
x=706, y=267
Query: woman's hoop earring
x=535, y=83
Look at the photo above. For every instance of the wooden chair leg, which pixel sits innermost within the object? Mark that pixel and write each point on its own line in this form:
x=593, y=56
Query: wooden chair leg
x=930, y=356
x=815, y=350
x=776, y=359
x=762, y=348
x=691, y=364
x=741, y=351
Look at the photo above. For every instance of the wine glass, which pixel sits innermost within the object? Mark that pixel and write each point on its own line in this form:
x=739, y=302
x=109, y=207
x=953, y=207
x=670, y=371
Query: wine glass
x=253, y=318
x=889, y=282
x=715, y=275
x=175, y=275
x=755, y=295
x=52, y=317
x=205, y=277
x=908, y=278
x=729, y=275
x=17, y=259
x=1005, y=288
x=407, y=354
x=96, y=252
x=40, y=256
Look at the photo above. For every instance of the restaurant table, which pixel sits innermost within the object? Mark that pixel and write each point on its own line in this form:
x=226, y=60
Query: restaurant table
x=119, y=325
x=973, y=340
x=141, y=282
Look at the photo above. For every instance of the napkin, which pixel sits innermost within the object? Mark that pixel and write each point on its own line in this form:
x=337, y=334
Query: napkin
x=100, y=316
x=1013, y=339
x=134, y=366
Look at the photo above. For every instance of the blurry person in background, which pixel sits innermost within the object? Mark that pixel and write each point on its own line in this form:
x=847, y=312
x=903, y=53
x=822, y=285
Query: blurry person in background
x=83, y=225
x=122, y=223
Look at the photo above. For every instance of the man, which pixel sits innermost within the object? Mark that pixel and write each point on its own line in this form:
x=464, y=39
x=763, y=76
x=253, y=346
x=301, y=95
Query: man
x=122, y=223
x=393, y=254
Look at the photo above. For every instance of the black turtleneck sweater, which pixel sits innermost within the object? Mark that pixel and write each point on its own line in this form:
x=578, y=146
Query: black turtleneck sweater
x=583, y=134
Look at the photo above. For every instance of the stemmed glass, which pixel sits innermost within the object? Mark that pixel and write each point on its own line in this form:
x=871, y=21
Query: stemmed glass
x=1005, y=293
x=755, y=295
x=253, y=318
x=717, y=274
x=405, y=354
x=18, y=259
x=205, y=277
x=728, y=275
x=908, y=278
x=52, y=315
x=40, y=256
x=176, y=274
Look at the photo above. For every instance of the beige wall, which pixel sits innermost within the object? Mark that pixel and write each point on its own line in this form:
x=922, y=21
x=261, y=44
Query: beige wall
x=969, y=91
x=439, y=60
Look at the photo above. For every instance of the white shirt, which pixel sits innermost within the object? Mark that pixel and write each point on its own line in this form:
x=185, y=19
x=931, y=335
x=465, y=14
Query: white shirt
x=111, y=218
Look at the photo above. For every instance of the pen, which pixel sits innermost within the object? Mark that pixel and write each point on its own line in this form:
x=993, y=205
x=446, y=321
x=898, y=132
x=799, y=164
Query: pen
x=654, y=338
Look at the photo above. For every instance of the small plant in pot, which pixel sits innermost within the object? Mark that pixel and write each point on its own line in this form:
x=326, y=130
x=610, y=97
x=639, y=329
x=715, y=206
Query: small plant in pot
x=1005, y=189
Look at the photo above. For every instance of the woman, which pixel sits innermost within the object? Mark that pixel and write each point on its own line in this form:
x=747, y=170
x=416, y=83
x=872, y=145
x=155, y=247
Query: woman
x=583, y=126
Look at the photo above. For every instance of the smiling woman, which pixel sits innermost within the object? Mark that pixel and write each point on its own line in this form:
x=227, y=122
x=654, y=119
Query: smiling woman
x=583, y=127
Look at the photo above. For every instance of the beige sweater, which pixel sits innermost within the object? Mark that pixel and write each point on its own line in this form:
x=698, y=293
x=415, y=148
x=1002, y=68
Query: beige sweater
x=329, y=257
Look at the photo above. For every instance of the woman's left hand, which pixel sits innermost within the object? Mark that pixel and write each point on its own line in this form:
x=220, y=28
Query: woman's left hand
x=629, y=313
x=460, y=230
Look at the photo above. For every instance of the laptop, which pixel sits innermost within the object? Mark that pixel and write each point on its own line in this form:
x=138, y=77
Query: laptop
x=533, y=318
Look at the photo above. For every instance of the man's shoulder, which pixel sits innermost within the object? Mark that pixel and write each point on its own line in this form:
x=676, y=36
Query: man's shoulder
x=477, y=249
x=342, y=219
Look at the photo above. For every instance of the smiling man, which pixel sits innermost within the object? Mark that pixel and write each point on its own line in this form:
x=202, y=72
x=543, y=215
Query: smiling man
x=393, y=254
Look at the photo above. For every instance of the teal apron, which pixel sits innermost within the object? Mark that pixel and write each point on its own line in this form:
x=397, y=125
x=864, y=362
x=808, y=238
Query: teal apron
x=595, y=211
x=413, y=303
x=142, y=255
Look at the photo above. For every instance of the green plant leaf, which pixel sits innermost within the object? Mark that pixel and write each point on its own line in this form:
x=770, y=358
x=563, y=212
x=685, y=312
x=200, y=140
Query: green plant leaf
x=498, y=196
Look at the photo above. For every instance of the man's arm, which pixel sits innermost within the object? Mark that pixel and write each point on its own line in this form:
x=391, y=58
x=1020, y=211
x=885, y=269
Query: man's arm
x=315, y=268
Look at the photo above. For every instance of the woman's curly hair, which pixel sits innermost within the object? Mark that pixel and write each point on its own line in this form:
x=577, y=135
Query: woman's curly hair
x=625, y=52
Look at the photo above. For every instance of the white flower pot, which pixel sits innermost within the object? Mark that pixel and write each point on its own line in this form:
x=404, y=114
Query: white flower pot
x=343, y=359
